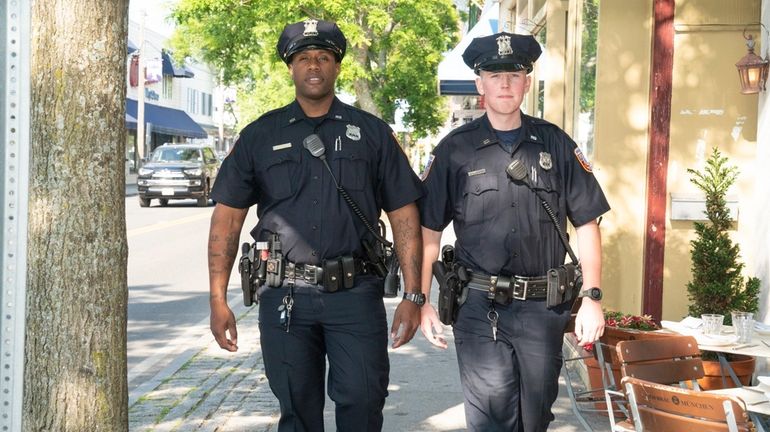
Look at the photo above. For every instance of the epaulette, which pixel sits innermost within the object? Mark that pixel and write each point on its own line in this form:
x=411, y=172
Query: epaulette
x=538, y=121
x=468, y=127
x=264, y=117
x=273, y=112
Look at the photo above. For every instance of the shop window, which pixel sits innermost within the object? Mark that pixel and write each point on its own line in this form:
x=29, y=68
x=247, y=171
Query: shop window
x=168, y=87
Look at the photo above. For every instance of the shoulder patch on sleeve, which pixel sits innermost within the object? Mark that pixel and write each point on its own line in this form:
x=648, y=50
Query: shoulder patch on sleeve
x=428, y=164
x=583, y=160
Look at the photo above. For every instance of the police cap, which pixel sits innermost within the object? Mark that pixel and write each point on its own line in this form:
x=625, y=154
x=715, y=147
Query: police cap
x=502, y=52
x=311, y=34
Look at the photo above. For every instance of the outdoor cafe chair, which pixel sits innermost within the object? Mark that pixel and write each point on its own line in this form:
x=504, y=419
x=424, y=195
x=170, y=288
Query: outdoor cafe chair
x=672, y=360
x=592, y=397
x=664, y=408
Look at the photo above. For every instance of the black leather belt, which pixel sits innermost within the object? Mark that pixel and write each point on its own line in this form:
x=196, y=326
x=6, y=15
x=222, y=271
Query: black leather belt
x=517, y=287
x=313, y=274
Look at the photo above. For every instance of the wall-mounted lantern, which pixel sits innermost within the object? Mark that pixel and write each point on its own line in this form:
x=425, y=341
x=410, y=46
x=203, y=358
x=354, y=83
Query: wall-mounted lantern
x=752, y=69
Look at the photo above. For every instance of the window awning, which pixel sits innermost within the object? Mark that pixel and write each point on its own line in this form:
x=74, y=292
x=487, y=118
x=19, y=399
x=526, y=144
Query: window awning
x=164, y=120
x=454, y=76
x=170, y=69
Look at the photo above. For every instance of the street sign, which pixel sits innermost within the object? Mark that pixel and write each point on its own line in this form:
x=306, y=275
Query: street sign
x=14, y=179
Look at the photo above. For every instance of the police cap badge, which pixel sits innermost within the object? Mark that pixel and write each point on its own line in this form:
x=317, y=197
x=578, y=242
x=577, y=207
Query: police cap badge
x=311, y=34
x=502, y=52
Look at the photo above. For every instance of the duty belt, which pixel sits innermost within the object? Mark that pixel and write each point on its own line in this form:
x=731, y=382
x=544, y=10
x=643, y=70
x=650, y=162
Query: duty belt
x=519, y=287
x=313, y=274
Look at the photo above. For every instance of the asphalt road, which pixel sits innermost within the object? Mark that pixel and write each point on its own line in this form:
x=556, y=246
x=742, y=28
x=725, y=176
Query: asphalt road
x=167, y=283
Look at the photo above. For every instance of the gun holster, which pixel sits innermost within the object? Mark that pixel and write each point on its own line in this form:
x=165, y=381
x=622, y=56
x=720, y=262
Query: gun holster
x=252, y=267
x=564, y=284
x=452, y=281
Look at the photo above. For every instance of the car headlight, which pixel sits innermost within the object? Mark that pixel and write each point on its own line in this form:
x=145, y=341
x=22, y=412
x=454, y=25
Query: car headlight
x=194, y=172
x=145, y=171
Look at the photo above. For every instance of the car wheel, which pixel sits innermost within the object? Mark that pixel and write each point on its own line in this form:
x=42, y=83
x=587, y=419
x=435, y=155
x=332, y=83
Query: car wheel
x=203, y=200
x=144, y=202
x=163, y=202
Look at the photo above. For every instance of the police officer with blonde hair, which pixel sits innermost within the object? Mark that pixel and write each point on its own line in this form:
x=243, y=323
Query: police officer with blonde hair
x=322, y=297
x=499, y=179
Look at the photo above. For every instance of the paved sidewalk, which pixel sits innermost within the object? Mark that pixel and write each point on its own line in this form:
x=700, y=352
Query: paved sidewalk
x=208, y=389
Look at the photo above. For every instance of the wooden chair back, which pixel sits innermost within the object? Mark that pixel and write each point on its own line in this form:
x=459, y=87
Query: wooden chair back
x=667, y=360
x=660, y=408
x=614, y=335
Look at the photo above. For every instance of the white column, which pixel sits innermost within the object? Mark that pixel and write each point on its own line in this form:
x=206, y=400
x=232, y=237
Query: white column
x=760, y=251
x=15, y=35
x=140, y=141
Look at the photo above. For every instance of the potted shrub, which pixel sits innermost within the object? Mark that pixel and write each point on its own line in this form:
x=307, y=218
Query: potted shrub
x=717, y=284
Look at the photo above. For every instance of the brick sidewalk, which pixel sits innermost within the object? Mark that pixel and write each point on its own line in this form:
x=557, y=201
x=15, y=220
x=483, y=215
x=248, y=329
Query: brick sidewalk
x=215, y=390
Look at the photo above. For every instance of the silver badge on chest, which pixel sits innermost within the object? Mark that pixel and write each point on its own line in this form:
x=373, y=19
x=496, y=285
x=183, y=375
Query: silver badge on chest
x=545, y=161
x=310, y=28
x=353, y=132
x=504, y=46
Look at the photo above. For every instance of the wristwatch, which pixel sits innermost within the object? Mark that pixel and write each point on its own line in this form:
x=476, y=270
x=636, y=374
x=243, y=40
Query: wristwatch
x=416, y=298
x=592, y=293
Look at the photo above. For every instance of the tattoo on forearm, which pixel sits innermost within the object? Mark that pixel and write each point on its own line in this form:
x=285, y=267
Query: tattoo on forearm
x=408, y=242
x=222, y=252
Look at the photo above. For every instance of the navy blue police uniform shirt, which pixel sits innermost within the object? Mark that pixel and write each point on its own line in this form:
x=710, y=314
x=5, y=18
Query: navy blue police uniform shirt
x=501, y=226
x=294, y=193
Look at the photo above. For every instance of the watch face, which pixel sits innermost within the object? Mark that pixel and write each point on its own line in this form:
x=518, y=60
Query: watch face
x=596, y=293
x=592, y=293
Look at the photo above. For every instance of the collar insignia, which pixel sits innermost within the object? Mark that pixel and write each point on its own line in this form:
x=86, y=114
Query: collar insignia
x=310, y=28
x=504, y=45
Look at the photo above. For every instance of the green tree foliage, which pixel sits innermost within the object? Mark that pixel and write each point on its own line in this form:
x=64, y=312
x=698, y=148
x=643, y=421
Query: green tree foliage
x=394, y=47
x=717, y=285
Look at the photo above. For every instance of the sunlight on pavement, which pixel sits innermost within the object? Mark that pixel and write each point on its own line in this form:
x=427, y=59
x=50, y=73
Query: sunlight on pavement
x=166, y=224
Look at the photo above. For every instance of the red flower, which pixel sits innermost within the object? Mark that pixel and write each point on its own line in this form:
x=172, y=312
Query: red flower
x=619, y=319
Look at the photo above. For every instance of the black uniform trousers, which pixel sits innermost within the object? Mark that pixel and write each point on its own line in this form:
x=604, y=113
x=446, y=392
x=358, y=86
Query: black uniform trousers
x=350, y=328
x=509, y=384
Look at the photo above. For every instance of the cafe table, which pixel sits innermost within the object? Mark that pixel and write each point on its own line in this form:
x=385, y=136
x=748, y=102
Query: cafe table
x=724, y=343
x=757, y=402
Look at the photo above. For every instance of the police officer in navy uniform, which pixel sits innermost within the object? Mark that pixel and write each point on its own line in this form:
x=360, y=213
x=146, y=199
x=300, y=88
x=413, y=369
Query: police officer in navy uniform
x=509, y=354
x=297, y=199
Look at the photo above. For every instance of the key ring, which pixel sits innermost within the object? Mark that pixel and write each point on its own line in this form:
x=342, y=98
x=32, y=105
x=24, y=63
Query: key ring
x=492, y=315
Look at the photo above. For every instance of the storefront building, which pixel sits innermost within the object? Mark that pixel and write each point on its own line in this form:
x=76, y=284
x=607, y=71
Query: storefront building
x=647, y=88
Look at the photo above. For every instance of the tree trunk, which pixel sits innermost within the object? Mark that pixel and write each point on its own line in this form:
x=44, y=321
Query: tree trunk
x=75, y=352
x=362, y=86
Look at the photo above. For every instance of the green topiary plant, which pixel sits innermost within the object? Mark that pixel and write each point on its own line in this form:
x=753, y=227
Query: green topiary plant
x=717, y=285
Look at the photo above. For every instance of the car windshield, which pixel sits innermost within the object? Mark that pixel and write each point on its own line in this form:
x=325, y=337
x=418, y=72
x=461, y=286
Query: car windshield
x=176, y=155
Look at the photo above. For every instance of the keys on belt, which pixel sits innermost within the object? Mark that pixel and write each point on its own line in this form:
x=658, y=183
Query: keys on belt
x=514, y=287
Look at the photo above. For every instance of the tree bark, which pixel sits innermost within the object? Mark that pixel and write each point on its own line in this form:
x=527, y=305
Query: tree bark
x=362, y=85
x=75, y=352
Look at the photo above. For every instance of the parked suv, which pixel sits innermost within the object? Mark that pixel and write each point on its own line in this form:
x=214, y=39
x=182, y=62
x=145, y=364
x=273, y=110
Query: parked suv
x=178, y=171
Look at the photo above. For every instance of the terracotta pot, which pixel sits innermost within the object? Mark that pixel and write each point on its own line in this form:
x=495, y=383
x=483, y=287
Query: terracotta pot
x=742, y=365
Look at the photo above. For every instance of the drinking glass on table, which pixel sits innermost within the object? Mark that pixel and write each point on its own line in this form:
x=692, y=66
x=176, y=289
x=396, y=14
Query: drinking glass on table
x=743, y=324
x=712, y=323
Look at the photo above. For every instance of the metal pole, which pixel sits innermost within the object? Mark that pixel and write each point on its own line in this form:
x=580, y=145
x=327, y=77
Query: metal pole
x=140, y=141
x=15, y=37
